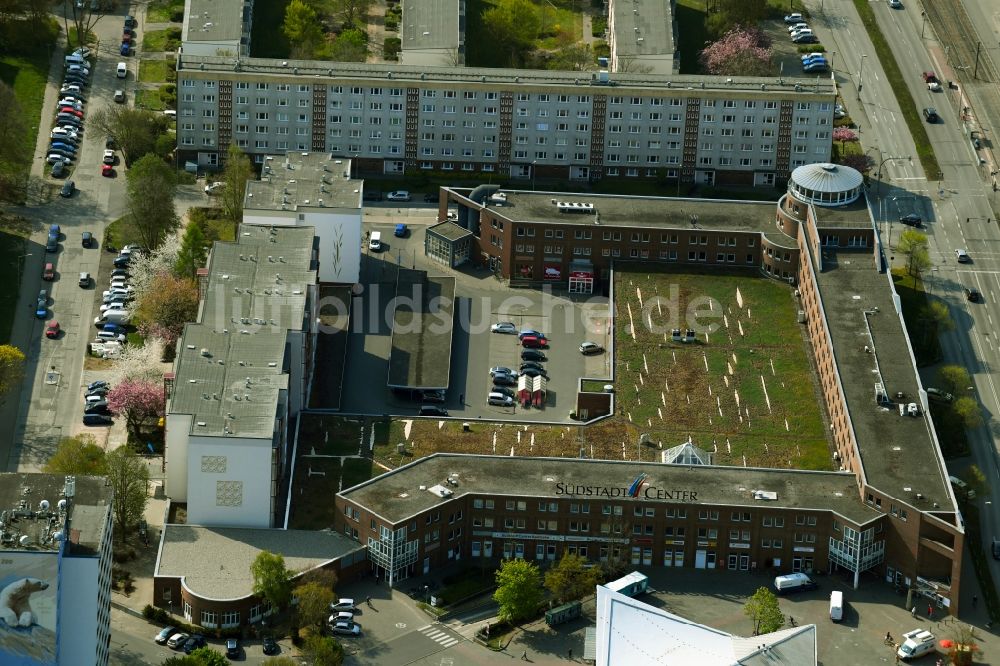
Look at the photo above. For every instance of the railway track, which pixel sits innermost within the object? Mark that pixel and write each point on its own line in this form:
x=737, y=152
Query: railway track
x=953, y=28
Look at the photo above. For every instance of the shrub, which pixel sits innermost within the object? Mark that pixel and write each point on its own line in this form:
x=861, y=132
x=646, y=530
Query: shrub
x=391, y=22
x=810, y=48
x=177, y=16
x=598, y=27
x=391, y=48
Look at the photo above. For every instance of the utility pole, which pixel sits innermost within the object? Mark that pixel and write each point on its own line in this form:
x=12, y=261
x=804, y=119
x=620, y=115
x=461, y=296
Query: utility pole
x=975, y=70
x=861, y=73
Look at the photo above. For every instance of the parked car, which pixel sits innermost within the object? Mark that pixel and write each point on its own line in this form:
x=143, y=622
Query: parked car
x=398, y=195
x=68, y=188
x=164, y=635
x=526, y=332
x=962, y=489
x=232, y=648
x=911, y=220
x=87, y=239
x=501, y=370
x=504, y=380
x=52, y=242
x=97, y=420
x=931, y=114
x=535, y=372
x=499, y=399
x=193, y=643
x=52, y=330
x=402, y=231
x=70, y=110
x=534, y=342
x=533, y=355
x=503, y=390
x=121, y=71
x=84, y=280
x=372, y=195
x=794, y=18
x=121, y=262
x=995, y=548
x=587, y=348
x=805, y=38
x=99, y=383
x=107, y=171
x=98, y=407
x=346, y=628
x=437, y=395
x=431, y=197
x=49, y=272
x=56, y=158
x=343, y=605
x=504, y=327
x=798, y=27
x=433, y=410
x=59, y=170
x=815, y=67
x=270, y=646
x=125, y=49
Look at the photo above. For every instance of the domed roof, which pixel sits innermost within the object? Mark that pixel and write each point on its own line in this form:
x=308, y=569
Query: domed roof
x=826, y=177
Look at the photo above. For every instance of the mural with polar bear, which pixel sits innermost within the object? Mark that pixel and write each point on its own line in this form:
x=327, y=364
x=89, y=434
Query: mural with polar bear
x=28, y=592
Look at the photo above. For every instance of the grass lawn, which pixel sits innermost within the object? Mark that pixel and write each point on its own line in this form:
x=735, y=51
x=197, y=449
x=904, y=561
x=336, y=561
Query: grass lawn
x=267, y=39
x=72, y=42
x=162, y=40
x=165, y=11
x=155, y=71
x=692, y=34
x=913, y=298
x=14, y=232
x=330, y=435
x=561, y=26
x=744, y=391
x=149, y=99
x=27, y=73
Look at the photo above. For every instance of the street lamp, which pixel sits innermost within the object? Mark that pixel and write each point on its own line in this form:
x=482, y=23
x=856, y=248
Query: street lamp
x=878, y=174
x=533, y=164
x=923, y=25
x=861, y=72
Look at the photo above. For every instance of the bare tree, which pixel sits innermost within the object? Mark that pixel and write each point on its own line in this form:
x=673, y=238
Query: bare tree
x=128, y=477
x=134, y=130
x=236, y=173
x=85, y=16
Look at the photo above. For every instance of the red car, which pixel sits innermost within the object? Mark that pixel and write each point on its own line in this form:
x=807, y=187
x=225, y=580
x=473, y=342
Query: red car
x=534, y=342
x=69, y=109
x=52, y=330
x=126, y=38
x=49, y=272
x=107, y=171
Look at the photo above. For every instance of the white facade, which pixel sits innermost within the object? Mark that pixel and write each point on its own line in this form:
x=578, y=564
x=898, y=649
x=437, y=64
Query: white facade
x=338, y=230
x=230, y=481
x=82, y=627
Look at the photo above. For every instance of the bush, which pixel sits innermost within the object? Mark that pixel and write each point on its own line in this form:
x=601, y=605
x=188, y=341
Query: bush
x=391, y=48
x=391, y=22
x=177, y=16
x=598, y=27
x=602, y=50
x=810, y=48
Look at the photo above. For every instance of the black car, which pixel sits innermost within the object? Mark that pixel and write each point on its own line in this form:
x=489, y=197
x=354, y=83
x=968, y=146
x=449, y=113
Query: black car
x=233, y=648
x=165, y=635
x=503, y=390
x=503, y=380
x=433, y=410
x=99, y=383
x=911, y=220
x=270, y=646
x=431, y=197
x=531, y=364
x=120, y=272
x=196, y=641
x=99, y=407
x=59, y=170
x=972, y=294
x=88, y=239
x=97, y=390
x=121, y=262
x=109, y=142
x=995, y=549
x=68, y=188
x=533, y=355
x=97, y=420
x=534, y=372
x=931, y=115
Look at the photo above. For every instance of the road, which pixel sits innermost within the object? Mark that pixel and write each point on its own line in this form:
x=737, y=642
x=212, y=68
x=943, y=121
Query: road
x=957, y=205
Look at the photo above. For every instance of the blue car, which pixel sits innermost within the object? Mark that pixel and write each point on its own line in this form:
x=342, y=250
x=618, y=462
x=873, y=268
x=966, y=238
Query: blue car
x=401, y=230
x=55, y=230
x=815, y=67
x=42, y=304
x=125, y=49
x=60, y=145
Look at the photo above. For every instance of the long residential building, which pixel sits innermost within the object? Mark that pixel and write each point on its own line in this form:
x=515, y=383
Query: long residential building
x=521, y=124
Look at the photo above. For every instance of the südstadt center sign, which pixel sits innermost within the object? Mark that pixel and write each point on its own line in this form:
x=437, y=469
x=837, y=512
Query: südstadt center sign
x=639, y=488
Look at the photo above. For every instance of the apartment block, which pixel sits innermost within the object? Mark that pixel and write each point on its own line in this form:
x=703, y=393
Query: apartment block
x=396, y=119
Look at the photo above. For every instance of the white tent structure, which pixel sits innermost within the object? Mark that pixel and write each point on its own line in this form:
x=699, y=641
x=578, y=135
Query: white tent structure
x=686, y=454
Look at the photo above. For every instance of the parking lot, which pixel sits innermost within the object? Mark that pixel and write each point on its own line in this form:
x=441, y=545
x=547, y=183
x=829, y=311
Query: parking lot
x=480, y=302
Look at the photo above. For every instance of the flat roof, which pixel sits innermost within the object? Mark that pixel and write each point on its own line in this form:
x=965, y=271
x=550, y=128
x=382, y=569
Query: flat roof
x=215, y=561
x=899, y=453
x=397, y=495
x=420, y=357
x=449, y=230
x=430, y=24
x=303, y=179
x=21, y=496
x=678, y=85
x=643, y=27
x=230, y=367
x=213, y=20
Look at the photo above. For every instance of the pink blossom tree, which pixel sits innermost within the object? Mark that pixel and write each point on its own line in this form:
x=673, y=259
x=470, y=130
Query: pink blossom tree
x=739, y=52
x=137, y=400
x=862, y=163
x=844, y=134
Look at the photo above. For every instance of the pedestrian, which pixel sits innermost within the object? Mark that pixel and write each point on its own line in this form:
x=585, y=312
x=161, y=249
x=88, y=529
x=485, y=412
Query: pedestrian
x=913, y=612
x=888, y=638
x=461, y=399
x=524, y=656
x=368, y=600
x=975, y=600
x=570, y=653
x=930, y=612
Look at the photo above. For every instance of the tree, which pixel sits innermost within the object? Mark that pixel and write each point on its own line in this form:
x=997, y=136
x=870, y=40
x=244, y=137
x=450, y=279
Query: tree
x=144, y=269
x=302, y=28
x=571, y=579
x=139, y=362
x=739, y=52
x=271, y=580
x=15, y=153
x=280, y=661
x=352, y=12
x=137, y=400
x=351, y=45
x=731, y=13
x=763, y=610
x=77, y=455
x=135, y=131
x=169, y=303
x=844, y=134
x=207, y=656
x=11, y=368
x=128, y=477
x=862, y=163
x=237, y=172
x=964, y=644
x=976, y=479
x=151, y=188
x=314, y=603
x=519, y=590
x=913, y=245
x=513, y=25
x=954, y=379
x=193, y=252
x=84, y=16
x=576, y=57
x=323, y=650
x=968, y=410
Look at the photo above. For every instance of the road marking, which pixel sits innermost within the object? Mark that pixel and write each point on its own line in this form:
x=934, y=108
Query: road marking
x=439, y=636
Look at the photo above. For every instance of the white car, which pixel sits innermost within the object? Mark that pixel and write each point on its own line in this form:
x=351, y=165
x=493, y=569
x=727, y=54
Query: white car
x=83, y=52
x=346, y=628
x=113, y=305
x=214, y=188
x=398, y=195
x=838, y=111
x=121, y=71
x=342, y=605
x=64, y=135
x=109, y=156
x=72, y=102
x=962, y=256
x=797, y=27
x=56, y=157
x=78, y=70
x=504, y=327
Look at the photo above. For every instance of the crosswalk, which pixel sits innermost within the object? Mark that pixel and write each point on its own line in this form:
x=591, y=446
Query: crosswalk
x=437, y=634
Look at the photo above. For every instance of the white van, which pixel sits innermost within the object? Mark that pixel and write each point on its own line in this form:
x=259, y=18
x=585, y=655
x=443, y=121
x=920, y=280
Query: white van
x=76, y=59
x=794, y=582
x=836, y=605
x=916, y=644
x=499, y=399
x=375, y=242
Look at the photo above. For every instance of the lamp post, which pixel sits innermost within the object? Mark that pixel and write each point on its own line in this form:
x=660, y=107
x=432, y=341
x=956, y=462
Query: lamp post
x=878, y=174
x=534, y=163
x=923, y=25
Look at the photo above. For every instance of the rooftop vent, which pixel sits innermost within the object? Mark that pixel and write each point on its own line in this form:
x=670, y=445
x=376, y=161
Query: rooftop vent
x=769, y=495
x=441, y=491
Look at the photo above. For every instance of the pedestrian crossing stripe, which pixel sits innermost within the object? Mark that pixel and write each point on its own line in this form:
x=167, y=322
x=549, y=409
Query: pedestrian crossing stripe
x=440, y=637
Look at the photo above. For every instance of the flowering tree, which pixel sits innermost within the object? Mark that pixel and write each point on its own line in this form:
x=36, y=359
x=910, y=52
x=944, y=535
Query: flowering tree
x=167, y=304
x=137, y=400
x=739, y=52
x=139, y=362
x=145, y=268
x=844, y=134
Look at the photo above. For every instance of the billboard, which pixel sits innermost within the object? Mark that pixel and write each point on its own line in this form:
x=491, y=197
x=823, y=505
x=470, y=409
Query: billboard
x=553, y=272
x=28, y=593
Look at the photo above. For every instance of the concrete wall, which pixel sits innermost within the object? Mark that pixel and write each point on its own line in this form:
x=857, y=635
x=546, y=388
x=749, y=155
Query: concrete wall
x=176, y=442
x=78, y=624
x=247, y=460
